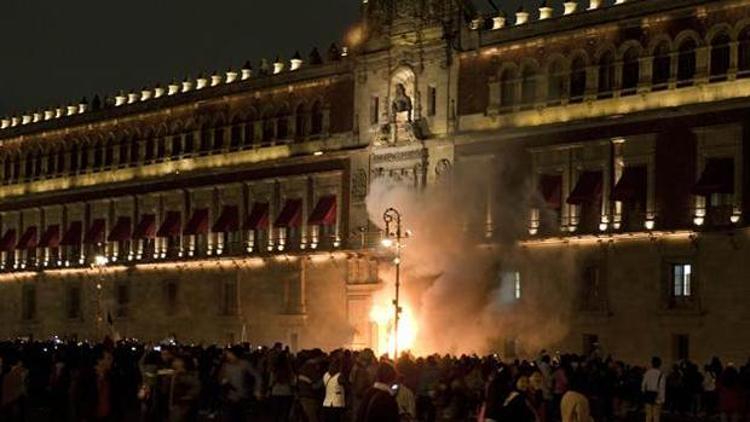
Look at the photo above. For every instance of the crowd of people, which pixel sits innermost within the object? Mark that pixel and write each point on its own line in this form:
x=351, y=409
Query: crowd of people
x=130, y=381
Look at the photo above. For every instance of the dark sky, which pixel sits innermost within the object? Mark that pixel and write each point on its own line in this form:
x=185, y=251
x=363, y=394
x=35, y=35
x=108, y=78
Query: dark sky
x=56, y=51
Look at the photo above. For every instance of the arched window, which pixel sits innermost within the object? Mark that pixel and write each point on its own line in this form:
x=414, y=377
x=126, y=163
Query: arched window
x=235, y=140
x=29, y=166
x=161, y=148
x=250, y=138
x=176, y=145
x=60, y=160
x=743, y=53
x=51, y=161
x=38, y=161
x=300, y=123
x=84, y=157
x=686, y=63
x=109, y=153
x=282, y=124
x=606, y=74
x=555, y=82
x=528, y=87
x=508, y=89
x=17, y=167
x=577, y=79
x=719, y=57
x=7, y=169
x=316, y=119
x=148, y=154
x=74, y=159
x=189, y=142
x=269, y=129
x=124, y=149
x=631, y=72
x=661, y=67
x=98, y=156
x=218, y=136
x=135, y=151
x=205, y=145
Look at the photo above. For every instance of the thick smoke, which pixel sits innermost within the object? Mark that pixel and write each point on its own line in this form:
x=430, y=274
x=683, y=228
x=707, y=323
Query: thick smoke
x=458, y=281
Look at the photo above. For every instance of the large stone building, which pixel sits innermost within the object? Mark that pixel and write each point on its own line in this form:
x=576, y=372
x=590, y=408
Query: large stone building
x=235, y=206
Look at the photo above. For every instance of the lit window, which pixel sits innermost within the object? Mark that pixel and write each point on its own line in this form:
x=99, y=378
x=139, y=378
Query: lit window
x=681, y=280
x=517, y=285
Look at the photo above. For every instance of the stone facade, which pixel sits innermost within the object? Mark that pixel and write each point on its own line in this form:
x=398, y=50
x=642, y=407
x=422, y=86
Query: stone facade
x=607, y=145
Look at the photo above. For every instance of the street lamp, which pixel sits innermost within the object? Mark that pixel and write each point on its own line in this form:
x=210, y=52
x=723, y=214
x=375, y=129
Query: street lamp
x=392, y=217
x=100, y=261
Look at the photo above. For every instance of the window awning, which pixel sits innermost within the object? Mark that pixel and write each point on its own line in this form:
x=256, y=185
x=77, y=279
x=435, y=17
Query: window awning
x=198, y=223
x=717, y=177
x=258, y=218
x=632, y=185
x=588, y=188
x=146, y=228
x=550, y=188
x=28, y=239
x=228, y=221
x=95, y=233
x=51, y=237
x=324, y=213
x=8, y=242
x=171, y=225
x=122, y=230
x=290, y=215
x=72, y=236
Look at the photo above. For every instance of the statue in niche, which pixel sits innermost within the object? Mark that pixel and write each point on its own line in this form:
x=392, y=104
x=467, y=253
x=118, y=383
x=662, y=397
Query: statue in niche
x=401, y=104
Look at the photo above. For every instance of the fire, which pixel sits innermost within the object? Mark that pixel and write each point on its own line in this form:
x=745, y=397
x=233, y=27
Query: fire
x=383, y=316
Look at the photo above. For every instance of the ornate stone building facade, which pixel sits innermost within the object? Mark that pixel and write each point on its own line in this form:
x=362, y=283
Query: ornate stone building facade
x=233, y=207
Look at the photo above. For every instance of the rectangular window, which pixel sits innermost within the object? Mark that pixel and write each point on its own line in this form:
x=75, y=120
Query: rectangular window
x=28, y=302
x=73, y=302
x=681, y=280
x=592, y=295
x=123, y=300
x=681, y=344
x=517, y=285
x=171, y=297
x=431, y=101
x=375, y=110
x=590, y=344
x=229, y=302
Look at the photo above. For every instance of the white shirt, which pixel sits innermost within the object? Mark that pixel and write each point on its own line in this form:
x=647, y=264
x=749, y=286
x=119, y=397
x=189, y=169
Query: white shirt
x=334, y=391
x=654, y=380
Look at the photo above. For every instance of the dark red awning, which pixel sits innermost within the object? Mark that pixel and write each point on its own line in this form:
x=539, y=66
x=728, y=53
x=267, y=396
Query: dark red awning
x=632, y=186
x=717, y=177
x=95, y=233
x=258, y=218
x=8, y=242
x=198, y=223
x=171, y=225
x=290, y=215
x=51, y=237
x=28, y=240
x=324, y=213
x=550, y=188
x=72, y=236
x=228, y=221
x=122, y=230
x=588, y=188
x=146, y=228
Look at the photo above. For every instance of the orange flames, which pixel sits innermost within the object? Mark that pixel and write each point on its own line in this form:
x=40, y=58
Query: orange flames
x=383, y=315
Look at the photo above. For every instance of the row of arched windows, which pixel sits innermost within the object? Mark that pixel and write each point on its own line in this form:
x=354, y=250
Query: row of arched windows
x=668, y=64
x=214, y=137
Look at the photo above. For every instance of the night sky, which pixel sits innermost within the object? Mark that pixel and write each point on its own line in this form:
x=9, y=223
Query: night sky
x=55, y=51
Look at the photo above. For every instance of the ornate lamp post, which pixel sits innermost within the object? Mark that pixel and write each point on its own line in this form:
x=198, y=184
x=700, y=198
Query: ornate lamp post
x=392, y=218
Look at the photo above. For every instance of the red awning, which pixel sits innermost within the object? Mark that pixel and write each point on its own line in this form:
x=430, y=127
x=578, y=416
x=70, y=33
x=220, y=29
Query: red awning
x=550, y=189
x=198, y=223
x=228, y=221
x=171, y=225
x=122, y=231
x=632, y=185
x=73, y=234
x=258, y=218
x=717, y=177
x=8, y=242
x=588, y=188
x=28, y=240
x=146, y=228
x=290, y=214
x=51, y=237
x=95, y=233
x=324, y=213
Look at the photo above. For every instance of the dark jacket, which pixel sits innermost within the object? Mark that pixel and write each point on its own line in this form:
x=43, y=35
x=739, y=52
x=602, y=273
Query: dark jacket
x=377, y=406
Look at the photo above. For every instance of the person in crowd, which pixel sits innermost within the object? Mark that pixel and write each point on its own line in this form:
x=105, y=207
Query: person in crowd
x=12, y=403
x=334, y=401
x=281, y=387
x=407, y=404
x=184, y=391
x=310, y=390
x=730, y=395
x=574, y=406
x=517, y=406
x=379, y=403
x=238, y=384
x=653, y=389
x=536, y=397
